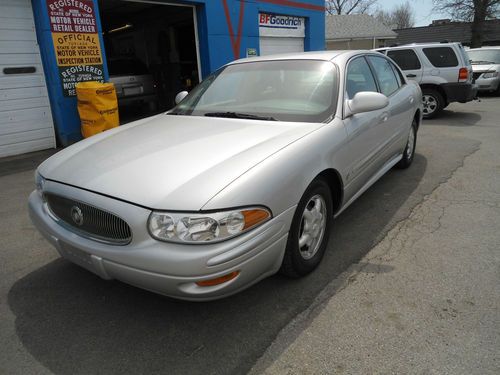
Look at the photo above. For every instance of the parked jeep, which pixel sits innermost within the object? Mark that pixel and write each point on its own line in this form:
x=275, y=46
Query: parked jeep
x=443, y=71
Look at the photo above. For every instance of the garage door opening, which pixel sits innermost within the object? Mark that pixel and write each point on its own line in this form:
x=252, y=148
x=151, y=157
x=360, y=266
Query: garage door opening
x=151, y=53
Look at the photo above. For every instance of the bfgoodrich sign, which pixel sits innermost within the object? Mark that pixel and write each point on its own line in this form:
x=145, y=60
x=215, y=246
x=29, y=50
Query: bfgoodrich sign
x=278, y=25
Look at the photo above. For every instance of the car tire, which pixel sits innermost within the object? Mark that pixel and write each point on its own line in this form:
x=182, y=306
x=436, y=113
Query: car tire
x=310, y=230
x=409, y=151
x=433, y=103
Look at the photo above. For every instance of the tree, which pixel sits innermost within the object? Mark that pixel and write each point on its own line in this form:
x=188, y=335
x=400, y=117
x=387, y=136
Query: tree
x=401, y=17
x=348, y=6
x=475, y=11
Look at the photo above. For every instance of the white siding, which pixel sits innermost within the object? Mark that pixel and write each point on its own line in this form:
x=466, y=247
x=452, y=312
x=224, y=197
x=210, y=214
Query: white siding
x=25, y=118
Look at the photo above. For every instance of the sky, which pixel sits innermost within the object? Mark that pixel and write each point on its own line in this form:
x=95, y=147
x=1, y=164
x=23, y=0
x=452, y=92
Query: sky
x=422, y=8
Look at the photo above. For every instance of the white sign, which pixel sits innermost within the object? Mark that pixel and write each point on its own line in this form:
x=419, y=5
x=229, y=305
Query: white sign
x=284, y=26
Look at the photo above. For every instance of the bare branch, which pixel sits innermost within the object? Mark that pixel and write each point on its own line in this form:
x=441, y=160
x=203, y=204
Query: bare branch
x=475, y=11
x=348, y=6
x=401, y=17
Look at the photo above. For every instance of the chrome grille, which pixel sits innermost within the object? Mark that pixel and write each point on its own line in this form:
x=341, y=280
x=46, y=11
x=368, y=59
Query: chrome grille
x=89, y=221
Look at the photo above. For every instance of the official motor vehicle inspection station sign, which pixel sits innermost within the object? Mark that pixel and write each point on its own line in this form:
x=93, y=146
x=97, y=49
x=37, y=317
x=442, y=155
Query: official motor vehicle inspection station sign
x=76, y=42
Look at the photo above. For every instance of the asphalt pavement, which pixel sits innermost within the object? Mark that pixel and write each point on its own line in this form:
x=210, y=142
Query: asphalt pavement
x=58, y=318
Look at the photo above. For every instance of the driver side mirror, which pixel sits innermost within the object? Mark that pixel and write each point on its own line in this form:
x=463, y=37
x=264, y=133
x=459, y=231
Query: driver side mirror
x=180, y=96
x=366, y=101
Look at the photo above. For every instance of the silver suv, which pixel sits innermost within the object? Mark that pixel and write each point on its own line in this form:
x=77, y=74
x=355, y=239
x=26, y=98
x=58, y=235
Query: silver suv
x=443, y=71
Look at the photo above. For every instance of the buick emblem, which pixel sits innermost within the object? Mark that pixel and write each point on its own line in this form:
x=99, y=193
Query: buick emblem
x=77, y=215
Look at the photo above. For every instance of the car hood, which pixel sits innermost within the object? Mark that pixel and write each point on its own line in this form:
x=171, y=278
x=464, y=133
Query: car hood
x=484, y=67
x=171, y=162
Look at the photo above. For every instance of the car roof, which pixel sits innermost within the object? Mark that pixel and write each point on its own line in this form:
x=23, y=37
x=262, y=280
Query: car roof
x=314, y=55
x=433, y=44
x=485, y=47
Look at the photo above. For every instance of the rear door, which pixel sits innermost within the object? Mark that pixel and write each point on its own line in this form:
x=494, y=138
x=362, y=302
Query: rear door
x=409, y=63
x=399, y=111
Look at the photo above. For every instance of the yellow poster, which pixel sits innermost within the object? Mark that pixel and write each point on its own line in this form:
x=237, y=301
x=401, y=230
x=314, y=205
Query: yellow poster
x=77, y=49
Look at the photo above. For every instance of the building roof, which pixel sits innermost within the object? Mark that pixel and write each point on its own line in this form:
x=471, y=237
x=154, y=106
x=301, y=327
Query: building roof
x=356, y=26
x=450, y=31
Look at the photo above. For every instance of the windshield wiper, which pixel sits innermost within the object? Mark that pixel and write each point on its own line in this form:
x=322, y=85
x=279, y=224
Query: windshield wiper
x=176, y=113
x=246, y=116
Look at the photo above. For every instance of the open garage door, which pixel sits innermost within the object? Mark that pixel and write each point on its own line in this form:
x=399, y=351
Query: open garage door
x=151, y=52
x=280, y=34
x=25, y=117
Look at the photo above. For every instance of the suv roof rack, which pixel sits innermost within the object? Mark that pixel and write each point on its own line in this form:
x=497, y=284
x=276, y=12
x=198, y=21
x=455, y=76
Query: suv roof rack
x=423, y=43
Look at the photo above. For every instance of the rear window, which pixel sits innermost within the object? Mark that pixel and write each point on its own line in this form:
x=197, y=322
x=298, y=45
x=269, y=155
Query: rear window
x=126, y=67
x=406, y=59
x=441, y=57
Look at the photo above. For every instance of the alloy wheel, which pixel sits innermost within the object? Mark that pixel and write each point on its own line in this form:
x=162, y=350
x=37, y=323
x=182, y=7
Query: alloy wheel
x=312, y=227
x=430, y=104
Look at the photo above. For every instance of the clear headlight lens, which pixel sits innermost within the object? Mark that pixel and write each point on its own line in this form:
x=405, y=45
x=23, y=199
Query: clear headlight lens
x=204, y=227
x=491, y=74
x=39, y=184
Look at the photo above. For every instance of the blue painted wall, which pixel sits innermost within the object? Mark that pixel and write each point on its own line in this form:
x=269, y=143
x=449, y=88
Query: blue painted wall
x=217, y=45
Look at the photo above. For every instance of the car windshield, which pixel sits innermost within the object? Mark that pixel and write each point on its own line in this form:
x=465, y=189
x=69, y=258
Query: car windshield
x=289, y=90
x=484, y=56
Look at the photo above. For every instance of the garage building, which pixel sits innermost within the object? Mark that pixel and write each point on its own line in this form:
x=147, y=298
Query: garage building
x=150, y=50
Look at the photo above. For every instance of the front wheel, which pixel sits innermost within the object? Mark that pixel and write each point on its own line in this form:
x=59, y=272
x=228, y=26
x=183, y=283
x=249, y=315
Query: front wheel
x=310, y=230
x=409, y=152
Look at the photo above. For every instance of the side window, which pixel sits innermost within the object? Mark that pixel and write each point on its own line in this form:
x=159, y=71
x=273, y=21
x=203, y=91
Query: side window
x=359, y=77
x=385, y=75
x=441, y=57
x=407, y=59
x=398, y=74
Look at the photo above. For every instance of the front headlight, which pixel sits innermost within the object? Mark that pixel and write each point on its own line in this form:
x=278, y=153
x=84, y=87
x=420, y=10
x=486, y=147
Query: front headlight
x=39, y=184
x=491, y=74
x=204, y=227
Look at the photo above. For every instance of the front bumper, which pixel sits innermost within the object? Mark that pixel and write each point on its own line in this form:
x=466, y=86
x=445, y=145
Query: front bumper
x=488, y=84
x=460, y=91
x=165, y=268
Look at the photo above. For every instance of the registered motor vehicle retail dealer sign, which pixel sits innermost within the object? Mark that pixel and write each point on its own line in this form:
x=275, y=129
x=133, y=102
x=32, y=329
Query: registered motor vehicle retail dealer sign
x=76, y=42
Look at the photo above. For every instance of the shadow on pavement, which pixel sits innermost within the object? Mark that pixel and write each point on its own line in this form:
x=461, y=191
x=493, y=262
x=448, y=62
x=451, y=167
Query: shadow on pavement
x=455, y=118
x=73, y=322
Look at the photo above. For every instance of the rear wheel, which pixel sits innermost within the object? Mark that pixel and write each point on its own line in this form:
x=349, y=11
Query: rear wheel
x=409, y=152
x=310, y=230
x=433, y=103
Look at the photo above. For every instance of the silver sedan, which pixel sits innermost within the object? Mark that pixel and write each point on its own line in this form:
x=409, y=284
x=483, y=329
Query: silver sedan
x=240, y=180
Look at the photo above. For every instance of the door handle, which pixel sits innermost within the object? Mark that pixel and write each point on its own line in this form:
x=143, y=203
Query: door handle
x=411, y=75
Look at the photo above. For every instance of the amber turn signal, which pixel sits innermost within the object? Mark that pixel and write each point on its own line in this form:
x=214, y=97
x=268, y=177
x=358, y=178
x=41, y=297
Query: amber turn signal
x=218, y=280
x=254, y=217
